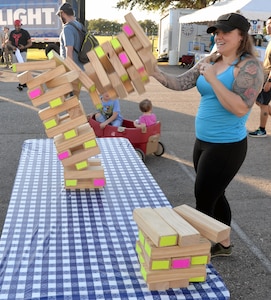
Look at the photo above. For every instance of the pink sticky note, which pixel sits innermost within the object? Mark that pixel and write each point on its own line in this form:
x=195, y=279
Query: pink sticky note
x=123, y=58
x=63, y=155
x=35, y=93
x=99, y=182
x=128, y=30
x=181, y=263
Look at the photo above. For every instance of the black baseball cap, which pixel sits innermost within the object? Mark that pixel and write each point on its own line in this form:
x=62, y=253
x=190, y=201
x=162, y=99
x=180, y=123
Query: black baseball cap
x=229, y=22
x=66, y=8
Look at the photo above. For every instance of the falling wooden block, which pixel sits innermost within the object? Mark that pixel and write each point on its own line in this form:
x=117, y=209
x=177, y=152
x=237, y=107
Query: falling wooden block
x=46, y=76
x=136, y=44
x=88, y=172
x=52, y=94
x=117, y=85
x=98, y=67
x=96, y=100
x=207, y=226
x=188, y=235
x=104, y=59
x=25, y=77
x=155, y=227
x=130, y=51
x=33, y=66
x=51, y=123
x=136, y=80
x=49, y=112
x=124, y=59
x=140, y=34
x=114, y=59
x=116, y=45
x=70, y=76
x=126, y=28
x=147, y=58
x=35, y=92
x=66, y=124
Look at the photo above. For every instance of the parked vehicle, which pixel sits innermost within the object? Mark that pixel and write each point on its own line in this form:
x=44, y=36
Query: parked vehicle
x=39, y=19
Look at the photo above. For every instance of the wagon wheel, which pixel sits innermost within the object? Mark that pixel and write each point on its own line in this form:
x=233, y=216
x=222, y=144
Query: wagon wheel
x=160, y=149
x=141, y=154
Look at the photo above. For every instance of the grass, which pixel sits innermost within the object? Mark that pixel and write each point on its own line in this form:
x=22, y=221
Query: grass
x=39, y=54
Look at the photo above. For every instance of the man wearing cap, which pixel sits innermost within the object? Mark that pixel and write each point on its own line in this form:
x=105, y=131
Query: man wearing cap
x=19, y=39
x=70, y=40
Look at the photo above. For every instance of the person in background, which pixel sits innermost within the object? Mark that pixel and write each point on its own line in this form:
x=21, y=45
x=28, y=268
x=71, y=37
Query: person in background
x=228, y=81
x=148, y=118
x=264, y=98
x=212, y=42
x=110, y=113
x=19, y=39
x=6, y=48
x=69, y=37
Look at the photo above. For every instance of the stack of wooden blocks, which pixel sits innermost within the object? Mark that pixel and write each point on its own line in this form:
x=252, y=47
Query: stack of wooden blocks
x=174, y=245
x=118, y=67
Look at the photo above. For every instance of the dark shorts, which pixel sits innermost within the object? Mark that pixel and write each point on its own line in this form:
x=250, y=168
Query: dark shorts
x=264, y=98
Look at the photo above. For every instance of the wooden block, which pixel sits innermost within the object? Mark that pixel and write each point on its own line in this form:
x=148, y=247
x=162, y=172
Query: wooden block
x=48, y=112
x=114, y=59
x=90, y=71
x=199, y=260
x=126, y=28
x=70, y=134
x=76, y=111
x=181, y=263
x=130, y=51
x=70, y=65
x=53, y=94
x=117, y=85
x=188, y=235
x=90, y=172
x=80, y=155
x=147, y=58
x=35, y=92
x=98, y=67
x=116, y=45
x=165, y=285
x=85, y=139
x=57, y=102
x=94, y=161
x=155, y=227
x=96, y=100
x=66, y=124
x=136, y=43
x=101, y=54
x=130, y=19
x=136, y=80
x=172, y=274
x=124, y=59
x=25, y=77
x=91, y=183
x=46, y=76
x=177, y=252
x=207, y=226
x=69, y=76
x=128, y=86
x=33, y=66
x=51, y=123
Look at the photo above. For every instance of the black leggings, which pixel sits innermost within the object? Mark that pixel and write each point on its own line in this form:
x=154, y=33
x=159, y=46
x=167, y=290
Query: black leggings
x=216, y=165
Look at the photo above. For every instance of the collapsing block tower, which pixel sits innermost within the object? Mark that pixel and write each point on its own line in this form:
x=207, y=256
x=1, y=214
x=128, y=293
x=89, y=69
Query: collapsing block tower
x=118, y=67
x=174, y=245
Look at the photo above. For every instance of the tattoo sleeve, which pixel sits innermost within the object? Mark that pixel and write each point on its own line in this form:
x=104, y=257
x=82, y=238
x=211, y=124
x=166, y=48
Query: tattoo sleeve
x=181, y=82
x=249, y=81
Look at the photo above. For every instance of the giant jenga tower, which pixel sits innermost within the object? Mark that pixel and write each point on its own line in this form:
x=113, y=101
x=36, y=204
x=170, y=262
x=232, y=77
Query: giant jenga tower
x=118, y=67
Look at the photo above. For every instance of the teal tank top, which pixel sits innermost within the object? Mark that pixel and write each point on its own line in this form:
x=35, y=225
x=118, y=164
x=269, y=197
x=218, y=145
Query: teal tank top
x=213, y=122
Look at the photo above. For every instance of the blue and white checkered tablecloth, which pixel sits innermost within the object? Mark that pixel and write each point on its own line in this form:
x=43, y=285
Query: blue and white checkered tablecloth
x=61, y=244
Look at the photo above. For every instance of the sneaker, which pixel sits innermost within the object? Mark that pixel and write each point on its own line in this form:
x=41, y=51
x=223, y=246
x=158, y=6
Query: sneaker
x=219, y=250
x=258, y=133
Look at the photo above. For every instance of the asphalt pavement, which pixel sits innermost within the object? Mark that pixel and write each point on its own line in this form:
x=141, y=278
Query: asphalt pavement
x=247, y=273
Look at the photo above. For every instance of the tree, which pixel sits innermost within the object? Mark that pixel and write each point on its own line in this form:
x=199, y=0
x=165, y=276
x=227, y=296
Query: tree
x=162, y=5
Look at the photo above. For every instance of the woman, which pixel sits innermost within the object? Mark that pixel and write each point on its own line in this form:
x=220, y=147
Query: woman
x=229, y=81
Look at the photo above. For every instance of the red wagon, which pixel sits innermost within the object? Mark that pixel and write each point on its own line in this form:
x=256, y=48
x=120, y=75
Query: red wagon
x=145, y=141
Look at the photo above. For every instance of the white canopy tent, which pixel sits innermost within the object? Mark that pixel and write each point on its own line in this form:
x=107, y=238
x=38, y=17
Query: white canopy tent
x=251, y=9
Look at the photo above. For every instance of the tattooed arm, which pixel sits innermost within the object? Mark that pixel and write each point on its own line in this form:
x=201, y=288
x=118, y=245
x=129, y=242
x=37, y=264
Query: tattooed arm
x=181, y=82
x=246, y=87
